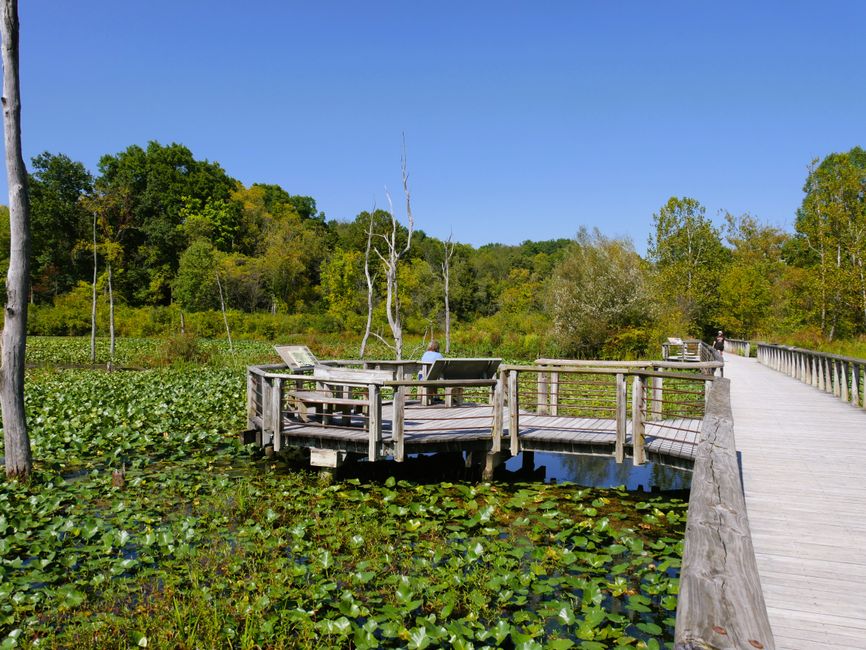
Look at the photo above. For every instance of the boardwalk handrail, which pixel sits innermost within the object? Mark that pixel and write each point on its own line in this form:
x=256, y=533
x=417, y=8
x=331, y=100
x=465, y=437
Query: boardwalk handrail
x=688, y=350
x=646, y=404
x=740, y=347
x=838, y=375
x=720, y=603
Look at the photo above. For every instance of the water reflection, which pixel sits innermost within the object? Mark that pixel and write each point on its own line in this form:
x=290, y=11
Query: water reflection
x=604, y=471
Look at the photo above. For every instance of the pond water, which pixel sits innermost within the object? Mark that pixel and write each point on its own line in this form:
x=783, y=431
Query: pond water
x=604, y=471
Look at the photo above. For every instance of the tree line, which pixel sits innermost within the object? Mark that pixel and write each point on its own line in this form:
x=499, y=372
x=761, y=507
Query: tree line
x=164, y=228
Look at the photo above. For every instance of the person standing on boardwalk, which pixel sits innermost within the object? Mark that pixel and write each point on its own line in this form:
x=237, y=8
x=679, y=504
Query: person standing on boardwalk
x=719, y=343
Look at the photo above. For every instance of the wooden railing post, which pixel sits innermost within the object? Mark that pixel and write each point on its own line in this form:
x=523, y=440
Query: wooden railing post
x=554, y=393
x=498, y=411
x=267, y=427
x=513, y=413
x=855, y=384
x=542, y=393
x=251, y=398
x=374, y=422
x=277, y=412
x=843, y=381
x=619, y=450
x=655, y=409
x=397, y=422
x=638, y=416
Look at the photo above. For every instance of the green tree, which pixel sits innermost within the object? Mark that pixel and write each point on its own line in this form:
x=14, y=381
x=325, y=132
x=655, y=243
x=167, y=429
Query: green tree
x=689, y=258
x=162, y=181
x=195, y=287
x=831, y=229
x=598, y=290
x=342, y=286
x=58, y=220
x=753, y=291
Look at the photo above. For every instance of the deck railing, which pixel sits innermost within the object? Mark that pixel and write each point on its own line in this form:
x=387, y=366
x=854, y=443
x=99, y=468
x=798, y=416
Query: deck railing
x=831, y=373
x=740, y=347
x=608, y=392
x=691, y=350
x=720, y=602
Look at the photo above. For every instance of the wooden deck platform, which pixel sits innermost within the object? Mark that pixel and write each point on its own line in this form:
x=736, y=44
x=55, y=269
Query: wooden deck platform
x=803, y=458
x=439, y=428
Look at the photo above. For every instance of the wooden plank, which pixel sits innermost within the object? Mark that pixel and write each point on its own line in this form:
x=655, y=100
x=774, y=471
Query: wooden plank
x=619, y=454
x=720, y=602
x=513, y=413
x=397, y=423
x=374, y=422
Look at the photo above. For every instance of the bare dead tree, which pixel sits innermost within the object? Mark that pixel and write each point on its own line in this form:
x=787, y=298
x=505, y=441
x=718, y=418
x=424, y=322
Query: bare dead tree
x=446, y=276
x=19, y=461
x=93, y=298
x=223, y=307
x=395, y=253
x=370, y=283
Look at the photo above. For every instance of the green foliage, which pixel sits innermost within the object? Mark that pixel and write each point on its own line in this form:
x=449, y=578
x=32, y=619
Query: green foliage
x=204, y=546
x=179, y=350
x=831, y=232
x=688, y=256
x=195, y=287
x=598, y=291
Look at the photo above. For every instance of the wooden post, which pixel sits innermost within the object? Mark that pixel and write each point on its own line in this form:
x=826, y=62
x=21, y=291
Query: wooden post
x=843, y=381
x=837, y=384
x=277, y=412
x=542, y=393
x=655, y=408
x=638, y=416
x=397, y=422
x=498, y=411
x=821, y=374
x=374, y=395
x=513, y=413
x=267, y=427
x=619, y=451
x=554, y=393
x=855, y=384
x=251, y=398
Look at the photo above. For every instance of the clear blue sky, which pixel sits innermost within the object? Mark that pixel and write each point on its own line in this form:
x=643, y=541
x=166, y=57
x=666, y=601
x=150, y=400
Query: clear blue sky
x=522, y=120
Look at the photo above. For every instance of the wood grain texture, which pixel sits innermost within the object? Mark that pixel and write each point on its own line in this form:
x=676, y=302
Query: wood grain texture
x=720, y=604
x=803, y=462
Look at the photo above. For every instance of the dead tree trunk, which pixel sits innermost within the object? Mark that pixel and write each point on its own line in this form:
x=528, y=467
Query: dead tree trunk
x=392, y=262
x=19, y=461
x=110, y=319
x=225, y=318
x=93, y=299
x=369, y=284
x=446, y=276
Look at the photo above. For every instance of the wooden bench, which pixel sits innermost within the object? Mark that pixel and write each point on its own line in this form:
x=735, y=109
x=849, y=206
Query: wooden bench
x=332, y=399
x=456, y=369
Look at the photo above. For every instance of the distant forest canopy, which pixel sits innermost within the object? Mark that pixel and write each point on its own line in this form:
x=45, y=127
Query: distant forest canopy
x=170, y=226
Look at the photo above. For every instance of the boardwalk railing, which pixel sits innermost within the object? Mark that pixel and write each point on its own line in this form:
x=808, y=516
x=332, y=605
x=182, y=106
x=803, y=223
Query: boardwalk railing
x=340, y=398
x=740, y=347
x=688, y=350
x=720, y=603
x=615, y=397
x=831, y=373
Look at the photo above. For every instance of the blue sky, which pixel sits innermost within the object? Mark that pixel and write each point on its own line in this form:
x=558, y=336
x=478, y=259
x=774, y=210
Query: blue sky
x=522, y=120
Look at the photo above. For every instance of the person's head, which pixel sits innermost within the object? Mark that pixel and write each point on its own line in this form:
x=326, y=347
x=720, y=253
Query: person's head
x=720, y=333
x=434, y=346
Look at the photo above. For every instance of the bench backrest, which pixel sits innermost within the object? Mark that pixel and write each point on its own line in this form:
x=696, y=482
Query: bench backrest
x=463, y=369
x=329, y=373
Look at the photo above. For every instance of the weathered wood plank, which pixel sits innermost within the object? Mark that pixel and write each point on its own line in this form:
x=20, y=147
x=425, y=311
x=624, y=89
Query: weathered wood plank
x=720, y=604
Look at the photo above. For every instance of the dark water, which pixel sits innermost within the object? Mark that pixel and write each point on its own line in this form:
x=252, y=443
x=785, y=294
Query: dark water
x=601, y=471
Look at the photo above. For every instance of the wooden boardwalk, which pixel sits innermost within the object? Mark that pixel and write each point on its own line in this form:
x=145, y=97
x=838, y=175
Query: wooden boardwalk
x=803, y=455
x=466, y=428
